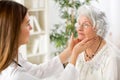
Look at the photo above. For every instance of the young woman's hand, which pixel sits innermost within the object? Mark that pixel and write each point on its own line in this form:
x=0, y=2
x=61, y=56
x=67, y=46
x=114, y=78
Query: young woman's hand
x=72, y=42
x=68, y=51
x=80, y=47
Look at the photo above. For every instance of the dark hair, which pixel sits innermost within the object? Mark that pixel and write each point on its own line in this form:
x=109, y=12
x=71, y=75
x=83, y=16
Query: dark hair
x=12, y=15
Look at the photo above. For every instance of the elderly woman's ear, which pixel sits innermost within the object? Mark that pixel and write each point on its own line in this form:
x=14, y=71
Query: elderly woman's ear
x=94, y=28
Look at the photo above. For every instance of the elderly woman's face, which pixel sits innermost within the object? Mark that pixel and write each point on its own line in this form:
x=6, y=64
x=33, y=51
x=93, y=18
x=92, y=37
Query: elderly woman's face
x=85, y=28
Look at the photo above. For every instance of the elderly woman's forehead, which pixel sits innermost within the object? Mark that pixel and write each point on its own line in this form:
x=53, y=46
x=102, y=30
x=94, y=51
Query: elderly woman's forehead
x=83, y=18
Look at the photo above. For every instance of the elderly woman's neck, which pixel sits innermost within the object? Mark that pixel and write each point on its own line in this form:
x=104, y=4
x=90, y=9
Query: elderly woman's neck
x=95, y=48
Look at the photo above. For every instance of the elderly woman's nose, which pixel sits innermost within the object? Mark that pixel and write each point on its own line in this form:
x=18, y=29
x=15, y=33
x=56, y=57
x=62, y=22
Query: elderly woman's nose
x=78, y=27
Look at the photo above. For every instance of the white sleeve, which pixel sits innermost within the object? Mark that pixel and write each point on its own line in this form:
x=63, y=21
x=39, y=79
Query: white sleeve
x=23, y=76
x=43, y=70
x=70, y=73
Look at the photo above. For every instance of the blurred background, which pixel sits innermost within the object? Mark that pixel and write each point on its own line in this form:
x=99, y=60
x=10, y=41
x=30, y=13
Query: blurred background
x=53, y=22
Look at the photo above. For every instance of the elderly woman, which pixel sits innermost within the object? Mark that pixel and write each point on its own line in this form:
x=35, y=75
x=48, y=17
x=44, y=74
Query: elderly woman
x=94, y=62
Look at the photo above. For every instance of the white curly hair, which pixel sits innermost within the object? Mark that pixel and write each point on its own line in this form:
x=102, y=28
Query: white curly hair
x=97, y=18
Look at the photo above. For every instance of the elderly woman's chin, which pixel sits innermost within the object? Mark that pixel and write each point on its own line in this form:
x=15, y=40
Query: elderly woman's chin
x=81, y=37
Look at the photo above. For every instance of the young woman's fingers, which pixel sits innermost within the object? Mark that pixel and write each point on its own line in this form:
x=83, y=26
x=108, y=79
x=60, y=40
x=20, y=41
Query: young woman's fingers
x=76, y=40
x=84, y=41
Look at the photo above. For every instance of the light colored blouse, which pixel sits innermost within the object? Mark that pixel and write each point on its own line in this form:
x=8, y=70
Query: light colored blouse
x=103, y=66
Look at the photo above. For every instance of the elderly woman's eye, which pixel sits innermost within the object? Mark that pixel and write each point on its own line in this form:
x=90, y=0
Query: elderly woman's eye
x=85, y=25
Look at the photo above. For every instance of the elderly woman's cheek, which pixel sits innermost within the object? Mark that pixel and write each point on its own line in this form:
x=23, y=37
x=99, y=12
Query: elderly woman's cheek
x=89, y=33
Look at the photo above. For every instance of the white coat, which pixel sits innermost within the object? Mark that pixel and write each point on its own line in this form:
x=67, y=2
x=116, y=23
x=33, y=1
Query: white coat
x=30, y=71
